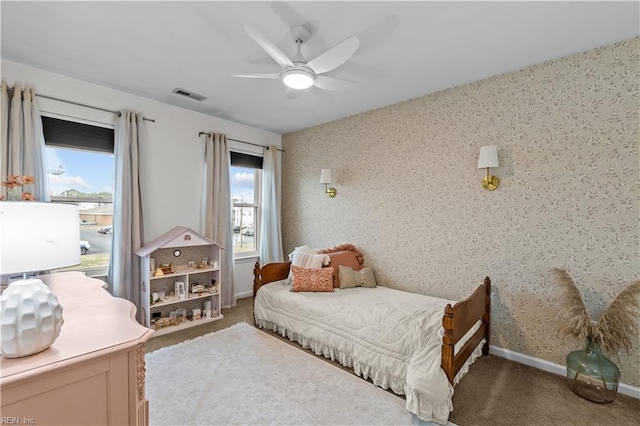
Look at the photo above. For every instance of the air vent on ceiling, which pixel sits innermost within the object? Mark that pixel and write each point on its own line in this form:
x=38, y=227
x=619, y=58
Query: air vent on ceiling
x=188, y=94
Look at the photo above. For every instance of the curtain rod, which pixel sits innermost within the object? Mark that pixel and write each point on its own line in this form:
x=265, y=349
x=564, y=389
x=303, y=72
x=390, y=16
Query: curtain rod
x=236, y=140
x=88, y=106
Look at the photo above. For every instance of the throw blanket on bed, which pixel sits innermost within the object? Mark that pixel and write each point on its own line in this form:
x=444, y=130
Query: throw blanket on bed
x=390, y=336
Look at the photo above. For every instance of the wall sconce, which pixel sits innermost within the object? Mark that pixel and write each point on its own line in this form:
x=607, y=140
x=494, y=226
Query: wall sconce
x=489, y=158
x=326, y=178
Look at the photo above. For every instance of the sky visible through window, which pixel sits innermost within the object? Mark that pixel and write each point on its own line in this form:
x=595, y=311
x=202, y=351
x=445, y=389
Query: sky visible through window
x=92, y=172
x=84, y=171
x=242, y=185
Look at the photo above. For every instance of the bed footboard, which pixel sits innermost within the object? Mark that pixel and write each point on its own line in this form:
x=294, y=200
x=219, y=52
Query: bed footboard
x=461, y=318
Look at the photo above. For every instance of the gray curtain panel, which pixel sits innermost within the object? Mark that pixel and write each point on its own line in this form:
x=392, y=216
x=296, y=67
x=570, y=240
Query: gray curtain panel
x=21, y=139
x=270, y=233
x=217, y=209
x=124, y=276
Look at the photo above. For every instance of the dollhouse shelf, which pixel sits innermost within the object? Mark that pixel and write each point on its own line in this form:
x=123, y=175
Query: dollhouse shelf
x=177, y=249
x=184, y=270
x=175, y=300
x=184, y=325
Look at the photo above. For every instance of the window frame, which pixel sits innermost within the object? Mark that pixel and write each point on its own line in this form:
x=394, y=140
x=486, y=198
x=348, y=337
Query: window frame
x=257, y=205
x=98, y=271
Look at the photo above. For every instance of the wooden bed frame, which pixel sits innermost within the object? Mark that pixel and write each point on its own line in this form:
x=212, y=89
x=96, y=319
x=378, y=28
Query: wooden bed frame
x=456, y=321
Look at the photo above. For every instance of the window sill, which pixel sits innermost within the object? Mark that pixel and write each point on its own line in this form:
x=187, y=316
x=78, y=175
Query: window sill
x=245, y=258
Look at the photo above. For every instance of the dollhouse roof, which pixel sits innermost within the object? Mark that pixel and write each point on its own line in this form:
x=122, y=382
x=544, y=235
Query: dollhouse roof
x=180, y=236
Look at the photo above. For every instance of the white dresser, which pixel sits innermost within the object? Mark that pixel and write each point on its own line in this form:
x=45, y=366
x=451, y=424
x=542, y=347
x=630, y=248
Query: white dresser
x=93, y=374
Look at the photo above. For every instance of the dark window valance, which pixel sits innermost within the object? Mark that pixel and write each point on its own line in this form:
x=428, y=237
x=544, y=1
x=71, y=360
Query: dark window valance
x=245, y=160
x=69, y=134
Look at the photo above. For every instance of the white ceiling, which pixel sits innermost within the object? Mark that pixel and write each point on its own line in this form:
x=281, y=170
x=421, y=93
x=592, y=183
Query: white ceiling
x=407, y=49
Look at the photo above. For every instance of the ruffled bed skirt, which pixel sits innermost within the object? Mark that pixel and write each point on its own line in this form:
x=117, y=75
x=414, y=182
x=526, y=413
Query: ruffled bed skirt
x=421, y=407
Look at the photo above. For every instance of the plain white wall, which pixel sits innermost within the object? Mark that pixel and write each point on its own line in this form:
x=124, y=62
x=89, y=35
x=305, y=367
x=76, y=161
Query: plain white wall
x=173, y=166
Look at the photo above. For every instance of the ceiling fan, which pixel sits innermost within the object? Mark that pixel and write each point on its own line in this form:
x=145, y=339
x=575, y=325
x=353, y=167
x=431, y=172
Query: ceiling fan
x=299, y=74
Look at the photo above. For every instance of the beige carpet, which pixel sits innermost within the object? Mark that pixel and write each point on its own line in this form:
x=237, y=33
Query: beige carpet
x=494, y=392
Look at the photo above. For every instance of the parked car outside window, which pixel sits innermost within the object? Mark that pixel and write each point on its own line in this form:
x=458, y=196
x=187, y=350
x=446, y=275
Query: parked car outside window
x=108, y=230
x=84, y=247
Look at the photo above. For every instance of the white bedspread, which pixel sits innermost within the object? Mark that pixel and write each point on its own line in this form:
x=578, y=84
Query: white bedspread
x=390, y=336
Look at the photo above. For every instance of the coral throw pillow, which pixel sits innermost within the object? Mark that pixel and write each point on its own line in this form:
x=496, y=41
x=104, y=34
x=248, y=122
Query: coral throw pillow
x=345, y=255
x=317, y=280
x=342, y=258
x=308, y=261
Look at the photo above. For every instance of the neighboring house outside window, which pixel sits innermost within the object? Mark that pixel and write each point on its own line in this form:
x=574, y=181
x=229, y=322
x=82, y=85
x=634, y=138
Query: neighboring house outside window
x=245, y=198
x=79, y=162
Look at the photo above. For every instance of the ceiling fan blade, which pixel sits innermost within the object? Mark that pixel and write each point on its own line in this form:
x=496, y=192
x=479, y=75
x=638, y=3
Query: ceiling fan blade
x=334, y=57
x=269, y=47
x=256, y=75
x=330, y=83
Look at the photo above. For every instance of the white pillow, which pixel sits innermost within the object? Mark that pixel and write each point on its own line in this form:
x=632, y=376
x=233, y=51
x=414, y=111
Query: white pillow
x=303, y=249
x=307, y=250
x=307, y=261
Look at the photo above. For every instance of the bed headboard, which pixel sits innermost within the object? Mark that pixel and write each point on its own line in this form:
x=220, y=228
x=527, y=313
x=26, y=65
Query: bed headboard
x=269, y=273
x=280, y=270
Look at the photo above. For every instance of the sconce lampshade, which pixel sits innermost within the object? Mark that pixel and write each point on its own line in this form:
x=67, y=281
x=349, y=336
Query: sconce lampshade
x=488, y=157
x=326, y=176
x=34, y=237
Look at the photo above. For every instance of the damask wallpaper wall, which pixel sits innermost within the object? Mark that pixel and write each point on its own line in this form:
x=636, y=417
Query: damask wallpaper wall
x=410, y=196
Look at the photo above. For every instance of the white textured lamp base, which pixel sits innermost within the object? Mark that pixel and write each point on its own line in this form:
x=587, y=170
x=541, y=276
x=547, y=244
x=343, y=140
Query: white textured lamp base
x=31, y=318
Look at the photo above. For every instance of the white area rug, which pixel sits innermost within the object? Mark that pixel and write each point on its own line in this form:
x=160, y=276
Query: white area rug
x=241, y=375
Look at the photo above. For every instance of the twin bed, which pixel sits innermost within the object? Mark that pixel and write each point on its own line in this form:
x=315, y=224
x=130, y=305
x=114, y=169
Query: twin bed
x=416, y=345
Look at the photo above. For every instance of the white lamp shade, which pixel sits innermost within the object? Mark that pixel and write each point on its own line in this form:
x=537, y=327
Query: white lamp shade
x=326, y=176
x=488, y=157
x=38, y=236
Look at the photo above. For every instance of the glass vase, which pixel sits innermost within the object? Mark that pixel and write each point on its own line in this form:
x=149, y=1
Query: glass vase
x=592, y=375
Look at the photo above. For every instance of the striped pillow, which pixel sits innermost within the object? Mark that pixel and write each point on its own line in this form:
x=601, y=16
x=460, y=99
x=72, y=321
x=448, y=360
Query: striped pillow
x=310, y=261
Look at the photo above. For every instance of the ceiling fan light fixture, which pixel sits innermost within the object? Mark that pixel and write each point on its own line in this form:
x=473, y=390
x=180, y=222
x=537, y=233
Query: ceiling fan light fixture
x=298, y=74
x=298, y=79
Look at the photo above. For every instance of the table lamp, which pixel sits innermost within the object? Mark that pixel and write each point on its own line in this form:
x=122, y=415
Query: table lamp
x=34, y=237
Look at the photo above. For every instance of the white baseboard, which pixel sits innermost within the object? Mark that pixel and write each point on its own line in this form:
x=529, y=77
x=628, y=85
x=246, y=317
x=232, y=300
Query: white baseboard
x=552, y=367
x=244, y=294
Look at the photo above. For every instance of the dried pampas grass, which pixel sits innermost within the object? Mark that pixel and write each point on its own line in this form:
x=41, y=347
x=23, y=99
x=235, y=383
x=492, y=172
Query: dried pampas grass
x=573, y=317
x=618, y=325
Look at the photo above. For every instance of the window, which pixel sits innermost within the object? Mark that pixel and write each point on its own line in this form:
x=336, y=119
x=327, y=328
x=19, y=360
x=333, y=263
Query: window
x=245, y=198
x=79, y=162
